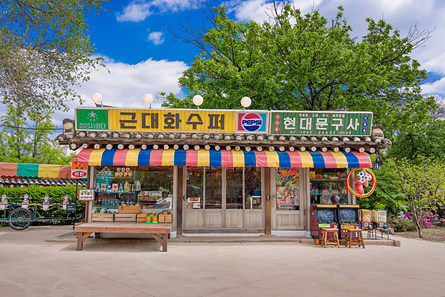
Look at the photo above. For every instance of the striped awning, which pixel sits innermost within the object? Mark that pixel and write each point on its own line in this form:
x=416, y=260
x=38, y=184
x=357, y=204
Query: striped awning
x=35, y=170
x=222, y=158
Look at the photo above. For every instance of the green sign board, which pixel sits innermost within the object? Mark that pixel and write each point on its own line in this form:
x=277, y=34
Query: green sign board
x=318, y=123
x=91, y=119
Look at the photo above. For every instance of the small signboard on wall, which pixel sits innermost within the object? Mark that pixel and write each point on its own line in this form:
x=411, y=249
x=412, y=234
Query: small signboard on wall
x=86, y=195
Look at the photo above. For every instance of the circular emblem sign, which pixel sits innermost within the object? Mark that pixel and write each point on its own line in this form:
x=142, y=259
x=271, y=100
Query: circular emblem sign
x=251, y=122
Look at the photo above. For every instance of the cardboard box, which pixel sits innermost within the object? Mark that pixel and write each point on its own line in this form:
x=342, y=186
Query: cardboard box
x=140, y=217
x=124, y=217
x=165, y=218
x=129, y=209
x=102, y=217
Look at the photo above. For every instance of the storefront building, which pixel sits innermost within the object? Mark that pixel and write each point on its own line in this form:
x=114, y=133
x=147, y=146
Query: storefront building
x=222, y=171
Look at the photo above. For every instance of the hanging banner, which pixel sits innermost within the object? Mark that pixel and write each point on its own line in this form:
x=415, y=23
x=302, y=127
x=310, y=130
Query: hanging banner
x=320, y=123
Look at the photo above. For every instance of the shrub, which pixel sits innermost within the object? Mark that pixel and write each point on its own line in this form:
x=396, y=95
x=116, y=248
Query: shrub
x=56, y=194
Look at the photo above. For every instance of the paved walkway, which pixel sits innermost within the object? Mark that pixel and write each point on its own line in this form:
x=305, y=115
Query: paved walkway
x=32, y=266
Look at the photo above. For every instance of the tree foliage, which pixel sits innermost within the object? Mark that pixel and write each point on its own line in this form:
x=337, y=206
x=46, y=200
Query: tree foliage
x=44, y=51
x=26, y=137
x=304, y=62
x=423, y=185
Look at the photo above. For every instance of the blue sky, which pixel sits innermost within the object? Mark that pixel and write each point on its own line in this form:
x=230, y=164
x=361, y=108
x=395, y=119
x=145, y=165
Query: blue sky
x=142, y=56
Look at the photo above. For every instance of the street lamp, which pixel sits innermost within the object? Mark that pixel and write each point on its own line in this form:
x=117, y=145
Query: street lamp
x=97, y=98
x=245, y=102
x=197, y=100
x=148, y=99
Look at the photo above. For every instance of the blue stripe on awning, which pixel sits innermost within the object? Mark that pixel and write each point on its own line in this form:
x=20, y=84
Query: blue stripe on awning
x=107, y=157
x=284, y=159
x=144, y=157
x=180, y=157
x=215, y=158
x=249, y=159
x=318, y=160
x=352, y=160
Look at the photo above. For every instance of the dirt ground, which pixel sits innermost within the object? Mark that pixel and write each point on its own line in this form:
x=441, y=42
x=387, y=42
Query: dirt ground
x=436, y=234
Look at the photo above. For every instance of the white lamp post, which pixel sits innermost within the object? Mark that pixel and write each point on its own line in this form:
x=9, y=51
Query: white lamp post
x=245, y=102
x=197, y=100
x=97, y=98
x=148, y=99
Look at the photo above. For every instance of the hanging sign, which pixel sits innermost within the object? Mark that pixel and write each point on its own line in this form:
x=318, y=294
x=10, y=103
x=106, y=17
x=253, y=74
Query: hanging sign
x=92, y=119
x=320, y=123
x=86, y=195
x=78, y=171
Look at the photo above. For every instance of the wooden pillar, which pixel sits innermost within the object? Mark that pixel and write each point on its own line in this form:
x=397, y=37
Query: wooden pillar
x=180, y=191
x=268, y=206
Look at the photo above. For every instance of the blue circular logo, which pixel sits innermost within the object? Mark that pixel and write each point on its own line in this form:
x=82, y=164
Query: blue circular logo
x=251, y=122
x=365, y=124
x=364, y=130
x=365, y=118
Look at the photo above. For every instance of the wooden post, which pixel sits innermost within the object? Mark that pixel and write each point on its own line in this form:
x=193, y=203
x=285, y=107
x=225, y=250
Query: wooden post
x=180, y=191
x=268, y=206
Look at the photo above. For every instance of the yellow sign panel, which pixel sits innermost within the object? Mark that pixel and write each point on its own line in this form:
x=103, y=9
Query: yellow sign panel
x=172, y=120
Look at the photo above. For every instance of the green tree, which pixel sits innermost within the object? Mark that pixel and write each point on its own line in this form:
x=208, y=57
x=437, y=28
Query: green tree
x=44, y=51
x=426, y=140
x=26, y=137
x=388, y=194
x=303, y=62
x=423, y=185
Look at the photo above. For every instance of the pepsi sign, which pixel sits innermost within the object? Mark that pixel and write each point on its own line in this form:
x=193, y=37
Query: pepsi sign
x=251, y=122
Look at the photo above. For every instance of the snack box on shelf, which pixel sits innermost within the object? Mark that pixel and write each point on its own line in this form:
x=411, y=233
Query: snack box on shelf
x=129, y=209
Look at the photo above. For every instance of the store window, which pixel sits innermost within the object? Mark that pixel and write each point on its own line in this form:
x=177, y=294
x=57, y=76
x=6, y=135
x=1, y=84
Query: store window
x=242, y=188
x=288, y=189
x=328, y=186
x=234, y=188
x=194, y=191
x=213, y=188
x=253, y=188
x=150, y=187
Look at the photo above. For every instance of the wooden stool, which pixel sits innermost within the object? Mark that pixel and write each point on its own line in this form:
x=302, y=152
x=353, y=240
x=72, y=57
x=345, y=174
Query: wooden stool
x=324, y=237
x=358, y=240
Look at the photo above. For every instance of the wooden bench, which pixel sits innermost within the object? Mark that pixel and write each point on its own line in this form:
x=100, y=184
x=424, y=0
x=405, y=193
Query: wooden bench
x=159, y=232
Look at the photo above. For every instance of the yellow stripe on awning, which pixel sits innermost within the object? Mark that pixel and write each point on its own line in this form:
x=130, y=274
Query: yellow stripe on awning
x=238, y=158
x=132, y=157
x=306, y=160
x=341, y=160
x=203, y=158
x=168, y=157
x=48, y=171
x=96, y=157
x=272, y=159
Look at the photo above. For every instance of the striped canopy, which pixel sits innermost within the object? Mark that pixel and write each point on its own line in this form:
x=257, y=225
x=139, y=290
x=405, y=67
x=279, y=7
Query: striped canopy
x=35, y=170
x=222, y=158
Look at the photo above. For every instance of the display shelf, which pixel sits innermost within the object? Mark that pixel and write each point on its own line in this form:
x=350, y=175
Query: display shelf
x=328, y=179
x=101, y=192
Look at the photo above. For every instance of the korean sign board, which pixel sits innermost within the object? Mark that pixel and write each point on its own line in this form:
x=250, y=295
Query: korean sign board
x=171, y=120
x=320, y=123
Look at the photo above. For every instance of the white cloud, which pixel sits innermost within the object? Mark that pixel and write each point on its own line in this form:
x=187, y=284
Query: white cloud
x=435, y=88
x=125, y=85
x=136, y=11
x=139, y=10
x=156, y=37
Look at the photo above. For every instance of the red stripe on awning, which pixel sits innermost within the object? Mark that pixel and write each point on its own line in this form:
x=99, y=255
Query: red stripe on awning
x=192, y=158
x=363, y=159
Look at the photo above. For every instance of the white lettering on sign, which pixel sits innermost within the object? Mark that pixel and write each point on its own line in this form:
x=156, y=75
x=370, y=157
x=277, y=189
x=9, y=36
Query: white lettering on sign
x=305, y=123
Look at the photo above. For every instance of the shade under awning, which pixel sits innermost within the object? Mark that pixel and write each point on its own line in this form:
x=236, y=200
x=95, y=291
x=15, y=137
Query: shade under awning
x=222, y=158
x=35, y=170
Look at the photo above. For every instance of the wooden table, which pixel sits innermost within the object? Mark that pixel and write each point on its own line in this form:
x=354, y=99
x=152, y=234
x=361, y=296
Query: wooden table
x=156, y=230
